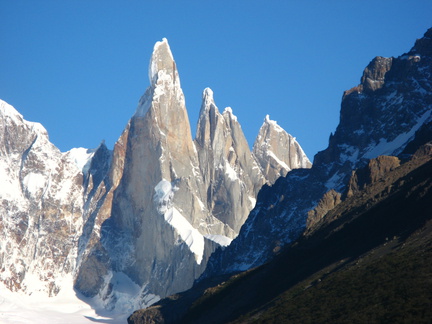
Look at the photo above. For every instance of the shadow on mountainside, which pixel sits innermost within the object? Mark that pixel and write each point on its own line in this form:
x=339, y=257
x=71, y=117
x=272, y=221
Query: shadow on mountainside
x=376, y=222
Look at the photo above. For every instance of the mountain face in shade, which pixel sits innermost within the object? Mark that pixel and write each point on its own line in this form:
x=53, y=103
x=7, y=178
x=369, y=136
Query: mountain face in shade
x=388, y=113
x=369, y=256
x=137, y=223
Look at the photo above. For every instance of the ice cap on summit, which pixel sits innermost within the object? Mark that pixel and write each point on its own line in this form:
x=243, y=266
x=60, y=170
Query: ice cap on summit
x=161, y=60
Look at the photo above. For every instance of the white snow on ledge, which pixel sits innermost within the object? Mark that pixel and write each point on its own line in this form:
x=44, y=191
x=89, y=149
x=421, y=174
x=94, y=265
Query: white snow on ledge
x=222, y=240
x=273, y=123
x=81, y=157
x=189, y=234
x=164, y=194
x=163, y=197
x=389, y=148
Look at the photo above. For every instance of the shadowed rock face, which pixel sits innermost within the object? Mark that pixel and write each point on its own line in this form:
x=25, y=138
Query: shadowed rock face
x=359, y=254
x=329, y=201
x=375, y=169
x=374, y=75
x=388, y=110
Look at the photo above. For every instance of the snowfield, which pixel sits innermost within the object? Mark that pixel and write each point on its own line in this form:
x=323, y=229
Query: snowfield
x=38, y=308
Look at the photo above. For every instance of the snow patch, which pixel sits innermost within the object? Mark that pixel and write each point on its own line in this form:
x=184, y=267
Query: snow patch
x=389, y=148
x=10, y=186
x=335, y=181
x=34, y=183
x=38, y=308
x=273, y=123
x=228, y=110
x=144, y=103
x=121, y=296
x=349, y=153
x=280, y=162
x=163, y=197
x=190, y=235
x=222, y=240
x=201, y=204
x=252, y=201
x=81, y=157
x=229, y=170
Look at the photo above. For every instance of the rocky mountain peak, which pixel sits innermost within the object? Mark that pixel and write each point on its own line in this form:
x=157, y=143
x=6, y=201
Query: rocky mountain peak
x=209, y=119
x=145, y=216
x=423, y=46
x=228, y=114
x=277, y=152
x=207, y=97
x=41, y=206
x=164, y=86
x=207, y=104
x=374, y=75
x=381, y=116
x=168, y=201
x=162, y=63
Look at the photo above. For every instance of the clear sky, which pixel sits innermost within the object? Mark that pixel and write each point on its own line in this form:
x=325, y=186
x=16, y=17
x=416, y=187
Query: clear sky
x=80, y=67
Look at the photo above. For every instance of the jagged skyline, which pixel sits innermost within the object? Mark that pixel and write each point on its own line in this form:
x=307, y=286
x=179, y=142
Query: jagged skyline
x=81, y=66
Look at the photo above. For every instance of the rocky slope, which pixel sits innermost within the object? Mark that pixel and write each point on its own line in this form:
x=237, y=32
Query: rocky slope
x=380, y=116
x=41, y=206
x=137, y=223
x=364, y=261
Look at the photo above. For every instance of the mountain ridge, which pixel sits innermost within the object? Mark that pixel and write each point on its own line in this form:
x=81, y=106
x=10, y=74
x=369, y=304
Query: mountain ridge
x=374, y=120
x=329, y=250
x=143, y=218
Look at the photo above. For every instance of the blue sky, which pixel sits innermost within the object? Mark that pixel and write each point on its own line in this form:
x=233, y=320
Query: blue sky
x=80, y=67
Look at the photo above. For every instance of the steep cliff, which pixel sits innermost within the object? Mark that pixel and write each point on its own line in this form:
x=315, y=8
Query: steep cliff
x=41, y=206
x=380, y=116
x=131, y=224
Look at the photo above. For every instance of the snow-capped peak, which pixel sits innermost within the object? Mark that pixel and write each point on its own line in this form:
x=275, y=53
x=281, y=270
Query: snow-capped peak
x=273, y=124
x=6, y=109
x=161, y=60
x=81, y=157
x=207, y=96
x=277, y=152
x=164, y=78
x=228, y=112
x=207, y=100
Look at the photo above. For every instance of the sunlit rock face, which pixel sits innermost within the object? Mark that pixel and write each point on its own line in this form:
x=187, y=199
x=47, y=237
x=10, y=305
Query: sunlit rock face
x=231, y=177
x=169, y=200
x=277, y=152
x=41, y=206
x=137, y=223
